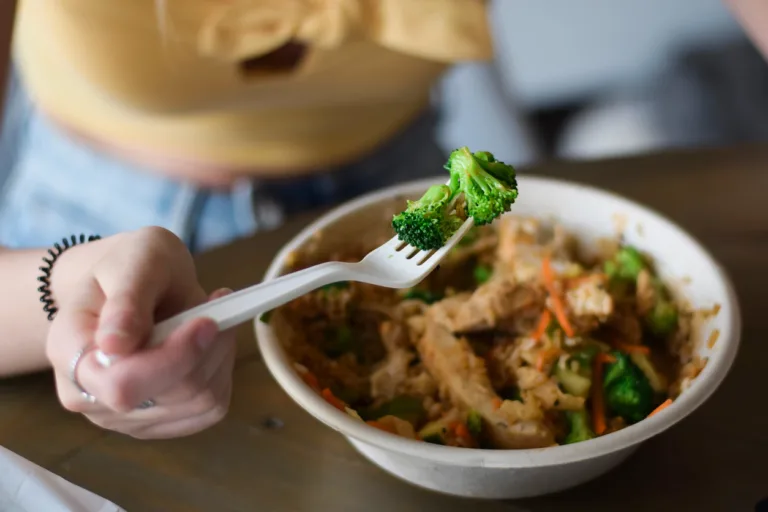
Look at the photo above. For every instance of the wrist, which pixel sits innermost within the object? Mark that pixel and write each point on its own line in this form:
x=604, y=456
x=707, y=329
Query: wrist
x=73, y=266
x=24, y=324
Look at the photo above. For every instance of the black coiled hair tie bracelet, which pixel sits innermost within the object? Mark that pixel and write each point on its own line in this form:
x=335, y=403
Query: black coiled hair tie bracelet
x=55, y=252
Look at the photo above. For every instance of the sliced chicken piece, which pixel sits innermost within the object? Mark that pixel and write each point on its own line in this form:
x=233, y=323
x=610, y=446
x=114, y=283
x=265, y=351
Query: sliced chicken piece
x=590, y=298
x=550, y=396
x=529, y=377
x=497, y=303
x=563, y=245
x=645, y=294
x=516, y=236
x=538, y=384
x=394, y=335
x=523, y=243
x=396, y=375
x=396, y=426
x=462, y=377
x=390, y=375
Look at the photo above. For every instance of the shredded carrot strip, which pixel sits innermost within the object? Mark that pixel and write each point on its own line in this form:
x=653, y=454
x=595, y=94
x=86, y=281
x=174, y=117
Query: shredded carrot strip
x=496, y=402
x=557, y=303
x=663, y=406
x=546, y=317
x=598, y=401
x=379, y=425
x=331, y=399
x=598, y=405
x=462, y=432
x=311, y=380
x=605, y=358
x=546, y=356
x=628, y=347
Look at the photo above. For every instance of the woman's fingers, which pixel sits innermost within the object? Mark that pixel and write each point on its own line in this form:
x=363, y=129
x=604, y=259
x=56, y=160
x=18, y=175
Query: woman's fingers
x=222, y=352
x=149, y=372
x=195, y=395
x=221, y=387
x=72, y=399
x=132, y=293
x=189, y=375
x=147, y=276
x=177, y=420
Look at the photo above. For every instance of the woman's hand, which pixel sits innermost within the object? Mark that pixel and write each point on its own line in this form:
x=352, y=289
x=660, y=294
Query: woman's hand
x=145, y=277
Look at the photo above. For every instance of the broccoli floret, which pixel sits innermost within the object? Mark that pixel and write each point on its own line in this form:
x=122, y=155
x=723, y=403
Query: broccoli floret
x=627, y=391
x=626, y=264
x=340, y=285
x=662, y=318
x=425, y=296
x=434, y=432
x=338, y=341
x=474, y=423
x=578, y=427
x=482, y=273
x=408, y=408
x=488, y=186
x=429, y=222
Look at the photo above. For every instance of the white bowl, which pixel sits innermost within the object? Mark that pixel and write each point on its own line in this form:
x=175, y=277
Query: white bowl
x=590, y=214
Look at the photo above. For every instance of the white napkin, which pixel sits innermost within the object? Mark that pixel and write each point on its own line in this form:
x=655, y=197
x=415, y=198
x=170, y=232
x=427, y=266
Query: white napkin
x=26, y=487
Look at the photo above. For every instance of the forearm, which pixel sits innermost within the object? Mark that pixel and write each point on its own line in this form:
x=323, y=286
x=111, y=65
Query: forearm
x=7, y=16
x=23, y=324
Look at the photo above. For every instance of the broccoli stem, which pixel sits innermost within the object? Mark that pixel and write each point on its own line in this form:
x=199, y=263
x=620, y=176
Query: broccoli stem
x=579, y=428
x=429, y=222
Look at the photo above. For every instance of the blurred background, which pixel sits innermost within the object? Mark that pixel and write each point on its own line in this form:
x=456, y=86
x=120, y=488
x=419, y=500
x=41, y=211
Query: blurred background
x=154, y=96
x=605, y=79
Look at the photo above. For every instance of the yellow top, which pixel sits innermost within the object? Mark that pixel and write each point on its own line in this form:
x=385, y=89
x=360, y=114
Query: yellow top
x=168, y=76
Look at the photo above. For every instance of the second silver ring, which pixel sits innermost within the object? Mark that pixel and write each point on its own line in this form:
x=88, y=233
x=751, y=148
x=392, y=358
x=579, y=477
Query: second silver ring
x=73, y=373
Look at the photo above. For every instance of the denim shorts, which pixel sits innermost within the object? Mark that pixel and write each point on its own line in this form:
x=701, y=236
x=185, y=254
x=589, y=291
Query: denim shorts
x=52, y=186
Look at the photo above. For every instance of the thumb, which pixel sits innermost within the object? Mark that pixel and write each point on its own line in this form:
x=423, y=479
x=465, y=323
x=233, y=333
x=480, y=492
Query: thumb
x=221, y=292
x=137, y=283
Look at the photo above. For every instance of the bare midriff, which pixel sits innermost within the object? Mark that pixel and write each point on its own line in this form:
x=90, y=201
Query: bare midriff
x=214, y=90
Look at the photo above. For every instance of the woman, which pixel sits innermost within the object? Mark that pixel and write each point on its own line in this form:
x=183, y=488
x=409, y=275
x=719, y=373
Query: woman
x=107, y=294
x=211, y=118
x=214, y=118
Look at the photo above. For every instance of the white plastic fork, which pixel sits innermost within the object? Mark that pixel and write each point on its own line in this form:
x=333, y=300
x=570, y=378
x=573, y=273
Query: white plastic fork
x=392, y=265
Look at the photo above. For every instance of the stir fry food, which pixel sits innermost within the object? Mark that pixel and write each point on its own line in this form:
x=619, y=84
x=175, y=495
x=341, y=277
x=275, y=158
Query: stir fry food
x=518, y=340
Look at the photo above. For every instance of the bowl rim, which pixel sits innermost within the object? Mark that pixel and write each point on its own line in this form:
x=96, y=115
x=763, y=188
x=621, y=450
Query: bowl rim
x=713, y=374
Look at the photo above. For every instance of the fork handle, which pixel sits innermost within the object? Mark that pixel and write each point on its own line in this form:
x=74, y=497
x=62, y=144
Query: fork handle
x=243, y=305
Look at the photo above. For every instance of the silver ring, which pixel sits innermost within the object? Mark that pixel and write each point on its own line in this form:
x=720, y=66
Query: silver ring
x=146, y=404
x=73, y=373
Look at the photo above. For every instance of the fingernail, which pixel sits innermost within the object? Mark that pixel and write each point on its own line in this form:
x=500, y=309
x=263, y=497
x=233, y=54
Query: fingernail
x=206, y=335
x=222, y=292
x=104, y=360
x=107, y=330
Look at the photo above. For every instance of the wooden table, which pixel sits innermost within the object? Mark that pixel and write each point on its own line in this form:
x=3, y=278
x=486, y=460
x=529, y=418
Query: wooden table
x=269, y=455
